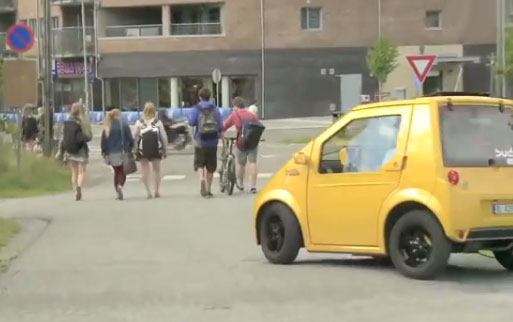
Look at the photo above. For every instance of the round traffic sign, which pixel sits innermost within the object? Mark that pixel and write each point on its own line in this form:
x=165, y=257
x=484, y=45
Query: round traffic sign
x=20, y=38
x=216, y=76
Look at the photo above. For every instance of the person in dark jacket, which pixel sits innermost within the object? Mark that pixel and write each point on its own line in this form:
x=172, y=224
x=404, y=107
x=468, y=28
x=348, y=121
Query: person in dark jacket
x=29, y=128
x=116, y=140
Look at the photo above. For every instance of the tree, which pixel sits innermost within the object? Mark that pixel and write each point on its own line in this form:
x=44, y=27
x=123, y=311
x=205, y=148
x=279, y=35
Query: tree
x=382, y=59
x=509, y=53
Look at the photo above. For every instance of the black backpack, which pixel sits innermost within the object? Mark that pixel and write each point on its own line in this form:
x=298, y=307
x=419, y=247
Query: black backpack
x=73, y=137
x=251, y=134
x=207, y=123
x=150, y=146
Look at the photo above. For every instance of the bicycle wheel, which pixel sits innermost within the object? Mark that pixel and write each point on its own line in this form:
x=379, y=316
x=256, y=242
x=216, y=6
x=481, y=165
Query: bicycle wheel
x=231, y=175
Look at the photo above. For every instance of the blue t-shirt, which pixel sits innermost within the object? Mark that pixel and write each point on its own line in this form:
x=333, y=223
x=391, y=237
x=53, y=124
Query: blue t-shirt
x=193, y=121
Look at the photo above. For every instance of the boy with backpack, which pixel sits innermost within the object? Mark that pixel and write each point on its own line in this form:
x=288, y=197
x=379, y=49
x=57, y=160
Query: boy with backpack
x=249, y=133
x=208, y=123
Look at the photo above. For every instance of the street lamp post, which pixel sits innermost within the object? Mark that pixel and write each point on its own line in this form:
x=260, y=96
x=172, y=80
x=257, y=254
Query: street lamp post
x=47, y=78
x=84, y=50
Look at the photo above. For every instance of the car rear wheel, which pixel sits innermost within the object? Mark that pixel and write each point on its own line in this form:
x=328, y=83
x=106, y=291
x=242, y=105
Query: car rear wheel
x=418, y=246
x=505, y=258
x=280, y=234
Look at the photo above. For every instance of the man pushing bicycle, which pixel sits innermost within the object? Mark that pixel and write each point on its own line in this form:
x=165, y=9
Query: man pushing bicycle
x=249, y=131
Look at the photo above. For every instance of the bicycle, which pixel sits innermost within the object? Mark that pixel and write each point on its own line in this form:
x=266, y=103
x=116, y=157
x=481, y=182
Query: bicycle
x=227, y=174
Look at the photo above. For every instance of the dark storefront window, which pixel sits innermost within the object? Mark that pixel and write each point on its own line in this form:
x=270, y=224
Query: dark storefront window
x=112, y=94
x=129, y=94
x=164, y=92
x=244, y=86
x=189, y=88
x=67, y=92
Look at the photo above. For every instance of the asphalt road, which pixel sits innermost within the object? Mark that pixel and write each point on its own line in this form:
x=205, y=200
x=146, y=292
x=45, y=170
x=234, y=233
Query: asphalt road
x=183, y=258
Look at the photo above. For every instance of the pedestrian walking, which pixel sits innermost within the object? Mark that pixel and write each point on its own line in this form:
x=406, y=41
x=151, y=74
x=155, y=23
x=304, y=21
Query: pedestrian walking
x=249, y=132
x=116, y=142
x=151, y=142
x=73, y=147
x=208, y=123
x=29, y=128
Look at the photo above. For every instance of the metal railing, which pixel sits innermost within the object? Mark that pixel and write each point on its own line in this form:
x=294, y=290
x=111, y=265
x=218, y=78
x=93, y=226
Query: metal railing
x=68, y=41
x=207, y=28
x=134, y=31
x=70, y=2
x=7, y=5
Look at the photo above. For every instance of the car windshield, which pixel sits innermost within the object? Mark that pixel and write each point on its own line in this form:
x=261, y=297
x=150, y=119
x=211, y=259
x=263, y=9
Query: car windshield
x=476, y=136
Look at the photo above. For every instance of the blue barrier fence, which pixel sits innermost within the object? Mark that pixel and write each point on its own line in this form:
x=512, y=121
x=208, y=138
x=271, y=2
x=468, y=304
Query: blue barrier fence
x=129, y=117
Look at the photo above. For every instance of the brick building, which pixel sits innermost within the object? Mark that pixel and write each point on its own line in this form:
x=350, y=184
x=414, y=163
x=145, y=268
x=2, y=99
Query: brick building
x=284, y=54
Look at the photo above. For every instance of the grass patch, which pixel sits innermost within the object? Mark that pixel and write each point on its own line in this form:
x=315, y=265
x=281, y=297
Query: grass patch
x=299, y=140
x=39, y=175
x=8, y=229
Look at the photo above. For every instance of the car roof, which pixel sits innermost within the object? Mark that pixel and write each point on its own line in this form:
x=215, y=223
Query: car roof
x=472, y=99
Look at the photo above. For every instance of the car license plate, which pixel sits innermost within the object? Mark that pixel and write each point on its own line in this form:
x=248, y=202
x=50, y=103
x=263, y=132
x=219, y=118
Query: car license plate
x=503, y=209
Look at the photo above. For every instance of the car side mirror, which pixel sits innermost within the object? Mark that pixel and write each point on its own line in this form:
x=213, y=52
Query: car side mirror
x=343, y=156
x=300, y=158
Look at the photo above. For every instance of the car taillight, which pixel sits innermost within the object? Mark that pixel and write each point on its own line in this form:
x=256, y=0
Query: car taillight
x=454, y=177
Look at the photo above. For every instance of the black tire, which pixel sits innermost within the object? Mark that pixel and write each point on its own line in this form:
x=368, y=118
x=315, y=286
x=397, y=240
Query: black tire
x=505, y=258
x=280, y=234
x=231, y=176
x=222, y=186
x=418, y=246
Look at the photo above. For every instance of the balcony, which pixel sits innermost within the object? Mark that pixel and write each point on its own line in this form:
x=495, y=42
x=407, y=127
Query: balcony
x=193, y=29
x=7, y=6
x=70, y=2
x=134, y=31
x=68, y=42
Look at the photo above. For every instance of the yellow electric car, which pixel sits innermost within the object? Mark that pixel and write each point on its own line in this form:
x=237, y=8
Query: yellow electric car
x=412, y=180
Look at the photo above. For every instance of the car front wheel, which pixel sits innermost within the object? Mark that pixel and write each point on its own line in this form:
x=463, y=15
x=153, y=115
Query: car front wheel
x=418, y=246
x=280, y=234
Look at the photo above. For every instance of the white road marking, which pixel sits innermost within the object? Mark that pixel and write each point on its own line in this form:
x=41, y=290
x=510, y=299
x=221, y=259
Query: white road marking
x=174, y=177
x=268, y=156
x=260, y=175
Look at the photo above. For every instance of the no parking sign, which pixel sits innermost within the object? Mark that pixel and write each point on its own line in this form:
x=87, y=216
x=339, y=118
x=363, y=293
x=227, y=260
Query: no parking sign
x=20, y=38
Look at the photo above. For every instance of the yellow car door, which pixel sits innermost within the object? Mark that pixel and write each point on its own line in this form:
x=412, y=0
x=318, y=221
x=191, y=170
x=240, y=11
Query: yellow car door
x=354, y=167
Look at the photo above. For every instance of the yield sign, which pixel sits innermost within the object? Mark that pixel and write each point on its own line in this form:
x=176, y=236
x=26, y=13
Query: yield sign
x=421, y=65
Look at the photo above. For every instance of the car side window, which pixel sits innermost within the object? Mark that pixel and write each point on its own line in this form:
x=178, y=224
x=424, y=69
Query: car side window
x=370, y=143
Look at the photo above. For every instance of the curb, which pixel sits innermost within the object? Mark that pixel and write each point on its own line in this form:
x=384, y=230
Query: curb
x=31, y=230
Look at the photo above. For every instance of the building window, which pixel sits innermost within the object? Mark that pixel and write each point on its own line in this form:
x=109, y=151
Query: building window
x=204, y=19
x=55, y=22
x=311, y=18
x=34, y=26
x=129, y=94
x=164, y=92
x=434, y=20
x=245, y=87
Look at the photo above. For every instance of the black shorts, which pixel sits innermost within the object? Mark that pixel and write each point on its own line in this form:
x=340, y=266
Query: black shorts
x=205, y=158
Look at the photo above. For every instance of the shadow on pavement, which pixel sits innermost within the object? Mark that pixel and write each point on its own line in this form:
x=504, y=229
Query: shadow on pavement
x=453, y=273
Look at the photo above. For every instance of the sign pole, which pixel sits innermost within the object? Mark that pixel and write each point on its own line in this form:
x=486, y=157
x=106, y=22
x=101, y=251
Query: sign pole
x=47, y=79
